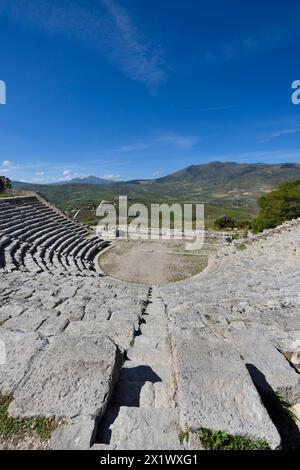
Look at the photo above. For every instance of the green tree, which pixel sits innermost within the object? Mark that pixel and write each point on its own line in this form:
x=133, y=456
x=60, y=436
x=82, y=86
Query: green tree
x=5, y=183
x=225, y=222
x=278, y=206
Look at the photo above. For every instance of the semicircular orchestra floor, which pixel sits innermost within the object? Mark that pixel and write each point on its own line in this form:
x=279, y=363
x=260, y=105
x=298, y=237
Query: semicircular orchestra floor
x=153, y=262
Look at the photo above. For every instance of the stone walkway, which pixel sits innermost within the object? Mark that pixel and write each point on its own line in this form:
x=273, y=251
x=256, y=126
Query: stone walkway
x=143, y=412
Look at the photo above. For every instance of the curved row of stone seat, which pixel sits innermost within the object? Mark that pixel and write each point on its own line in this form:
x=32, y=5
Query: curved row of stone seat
x=23, y=213
x=35, y=238
x=19, y=254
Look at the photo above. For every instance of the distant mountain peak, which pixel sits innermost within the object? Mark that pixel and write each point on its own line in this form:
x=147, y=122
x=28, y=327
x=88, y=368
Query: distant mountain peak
x=92, y=179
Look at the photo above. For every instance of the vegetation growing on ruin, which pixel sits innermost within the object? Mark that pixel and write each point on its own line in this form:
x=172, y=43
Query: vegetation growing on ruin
x=283, y=408
x=218, y=440
x=241, y=247
x=17, y=428
x=278, y=206
x=184, y=436
x=225, y=222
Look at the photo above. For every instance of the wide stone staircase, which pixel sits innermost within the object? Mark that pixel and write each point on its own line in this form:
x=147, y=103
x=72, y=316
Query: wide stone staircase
x=143, y=413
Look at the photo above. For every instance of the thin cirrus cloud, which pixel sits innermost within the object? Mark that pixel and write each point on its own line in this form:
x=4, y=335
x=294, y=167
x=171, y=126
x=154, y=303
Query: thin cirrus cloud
x=130, y=52
x=176, y=140
x=112, y=177
x=39, y=177
x=213, y=108
x=104, y=25
x=135, y=147
x=280, y=133
x=260, y=40
x=181, y=141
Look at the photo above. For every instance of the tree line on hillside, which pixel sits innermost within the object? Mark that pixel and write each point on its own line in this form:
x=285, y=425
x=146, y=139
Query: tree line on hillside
x=276, y=207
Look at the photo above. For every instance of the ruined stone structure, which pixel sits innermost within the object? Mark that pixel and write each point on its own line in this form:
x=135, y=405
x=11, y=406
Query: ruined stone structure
x=129, y=366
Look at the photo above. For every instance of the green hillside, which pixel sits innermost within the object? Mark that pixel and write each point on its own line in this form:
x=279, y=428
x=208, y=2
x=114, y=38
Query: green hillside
x=223, y=187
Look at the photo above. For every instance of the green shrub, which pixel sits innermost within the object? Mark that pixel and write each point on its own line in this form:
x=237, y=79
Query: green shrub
x=278, y=206
x=224, y=222
x=244, y=224
x=218, y=440
x=5, y=183
x=184, y=436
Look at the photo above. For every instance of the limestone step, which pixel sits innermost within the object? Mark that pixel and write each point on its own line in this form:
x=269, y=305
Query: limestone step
x=141, y=428
x=144, y=394
x=215, y=390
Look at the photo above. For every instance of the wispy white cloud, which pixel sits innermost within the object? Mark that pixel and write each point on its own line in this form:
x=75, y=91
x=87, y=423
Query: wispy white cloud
x=7, y=166
x=69, y=175
x=171, y=138
x=66, y=173
x=39, y=177
x=263, y=39
x=280, y=133
x=112, y=177
x=135, y=147
x=184, y=142
x=212, y=108
x=104, y=25
x=132, y=53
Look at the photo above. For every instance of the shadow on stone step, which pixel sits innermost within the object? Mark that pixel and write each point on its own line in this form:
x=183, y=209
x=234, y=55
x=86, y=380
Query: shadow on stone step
x=127, y=393
x=135, y=382
x=277, y=410
x=138, y=374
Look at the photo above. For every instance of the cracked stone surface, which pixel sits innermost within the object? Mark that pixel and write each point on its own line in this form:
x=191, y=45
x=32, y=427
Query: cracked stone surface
x=64, y=384
x=21, y=349
x=215, y=390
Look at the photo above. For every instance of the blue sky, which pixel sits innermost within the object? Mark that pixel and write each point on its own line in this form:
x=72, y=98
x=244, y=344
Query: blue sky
x=141, y=88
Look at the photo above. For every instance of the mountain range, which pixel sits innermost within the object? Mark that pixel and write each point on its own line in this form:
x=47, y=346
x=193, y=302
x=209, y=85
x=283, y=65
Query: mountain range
x=87, y=180
x=220, y=183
